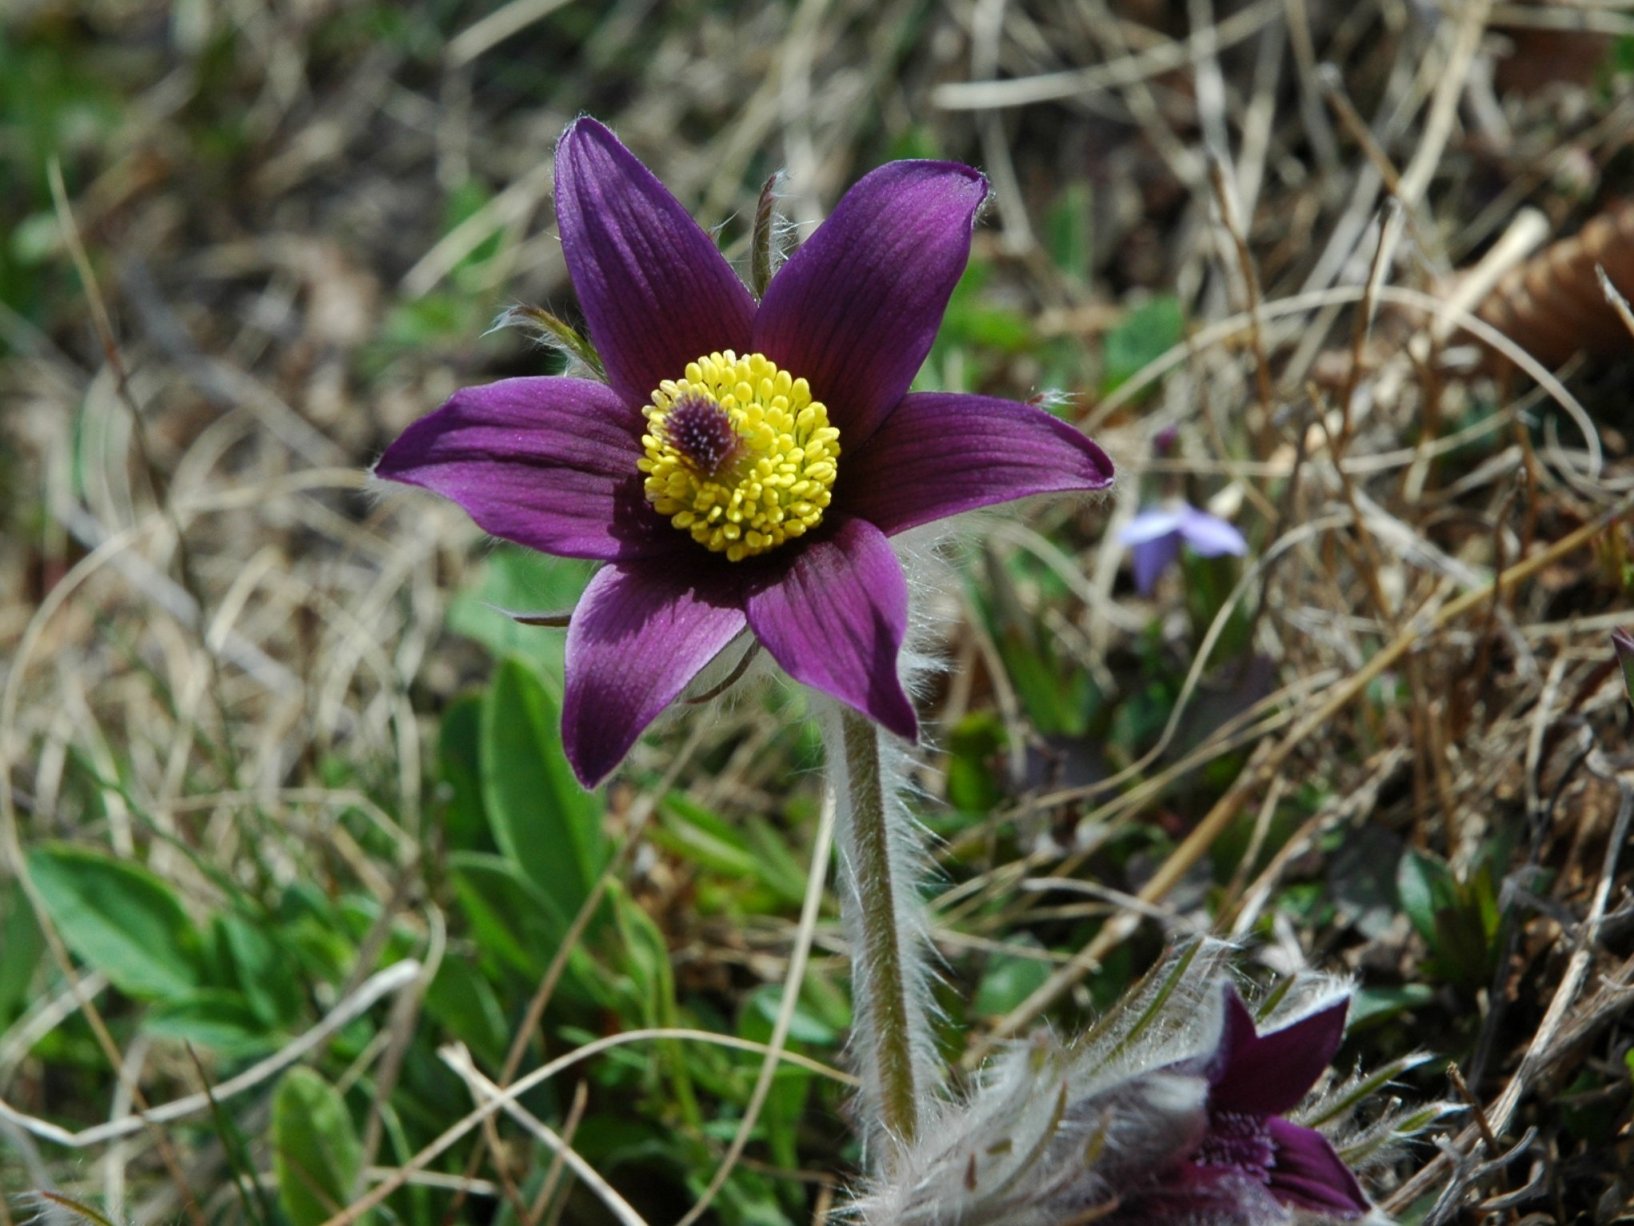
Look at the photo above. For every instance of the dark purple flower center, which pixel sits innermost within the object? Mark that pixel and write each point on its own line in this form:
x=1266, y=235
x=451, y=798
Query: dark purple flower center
x=1239, y=1141
x=699, y=429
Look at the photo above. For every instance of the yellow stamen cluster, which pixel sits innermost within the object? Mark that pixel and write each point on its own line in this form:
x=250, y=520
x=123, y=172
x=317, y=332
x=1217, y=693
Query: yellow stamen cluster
x=739, y=454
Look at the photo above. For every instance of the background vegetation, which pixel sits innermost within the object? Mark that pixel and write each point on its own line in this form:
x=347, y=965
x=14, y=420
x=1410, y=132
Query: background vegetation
x=290, y=865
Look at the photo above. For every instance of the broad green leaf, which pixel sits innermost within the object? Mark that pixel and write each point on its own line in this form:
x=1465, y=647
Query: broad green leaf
x=1069, y=227
x=465, y=1004
x=1373, y=1005
x=459, y=757
x=215, y=1018
x=514, y=923
x=1425, y=887
x=313, y=930
x=786, y=1103
x=1146, y=333
x=975, y=744
x=23, y=943
x=259, y=969
x=315, y=1150
x=751, y=858
x=805, y=1026
x=1008, y=980
x=120, y=918
x=521, y=581
x=779, y=870
x=646, y=963
x=692, y=832
x=542, y=819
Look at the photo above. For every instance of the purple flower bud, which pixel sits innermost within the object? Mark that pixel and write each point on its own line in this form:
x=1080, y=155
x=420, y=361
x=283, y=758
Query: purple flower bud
x=1172, y=1111
x=1251, y=1165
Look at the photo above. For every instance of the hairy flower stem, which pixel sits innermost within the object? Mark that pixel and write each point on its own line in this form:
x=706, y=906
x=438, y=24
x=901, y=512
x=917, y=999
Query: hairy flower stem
x=881, y=986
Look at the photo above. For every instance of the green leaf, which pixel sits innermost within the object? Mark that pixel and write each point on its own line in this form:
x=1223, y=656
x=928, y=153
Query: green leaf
x=315, y=1150
x=974, y=743
x=692, y=832
x=459, y=757
x=1147, y=333
x=805, y=1026
x=1371, y=1006
x=464, y=202
x=785, y=1107
x=778, y=869
x=511, y=920
x=542, y=819
x=441, y=319
x=313, y=930
x=259, y=969
x=515, y=923
x=646, y=966
x=1009, y=980
x=23, y=942
x=1425, y=887
x=1068, y=227
x=120, y=918
x=216, y=1018
x=465, y=1004
x=521, y=581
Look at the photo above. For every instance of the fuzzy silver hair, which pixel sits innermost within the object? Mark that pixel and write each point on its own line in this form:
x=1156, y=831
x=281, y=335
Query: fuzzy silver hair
x=1056, y=1133
x=909, y=865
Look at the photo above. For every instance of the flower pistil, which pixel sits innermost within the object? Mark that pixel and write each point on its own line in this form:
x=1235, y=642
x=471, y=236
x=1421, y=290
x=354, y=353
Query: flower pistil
x=1240, y=1141
x=738, y=454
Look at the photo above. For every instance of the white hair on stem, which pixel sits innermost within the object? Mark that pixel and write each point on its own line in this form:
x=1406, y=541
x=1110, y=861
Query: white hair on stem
x=901, y=967
x=893, y=973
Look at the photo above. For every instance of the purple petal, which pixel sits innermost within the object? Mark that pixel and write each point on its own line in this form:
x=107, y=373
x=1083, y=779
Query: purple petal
x=1310, y=1174
x=549, y=463
x=1150, y=525
x=1209, y=535
x=1151, y=558
x=940, y=453
x=833, y=616
x=855, y=310
x=639, y=635
x=655, y=291
x=1268, y=1074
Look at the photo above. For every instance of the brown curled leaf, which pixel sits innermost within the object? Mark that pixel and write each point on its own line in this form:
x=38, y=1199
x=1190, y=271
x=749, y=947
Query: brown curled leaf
x=1552, y=304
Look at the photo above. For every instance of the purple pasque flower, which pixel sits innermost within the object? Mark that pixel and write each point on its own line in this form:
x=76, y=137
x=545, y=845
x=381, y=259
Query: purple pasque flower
x=744, y=463
x=1155, y=535
x=1248, y=1151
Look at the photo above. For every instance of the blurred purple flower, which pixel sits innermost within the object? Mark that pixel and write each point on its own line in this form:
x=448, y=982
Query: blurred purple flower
x=727, y=492
x=1154, y=537
x=1248, y=1151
